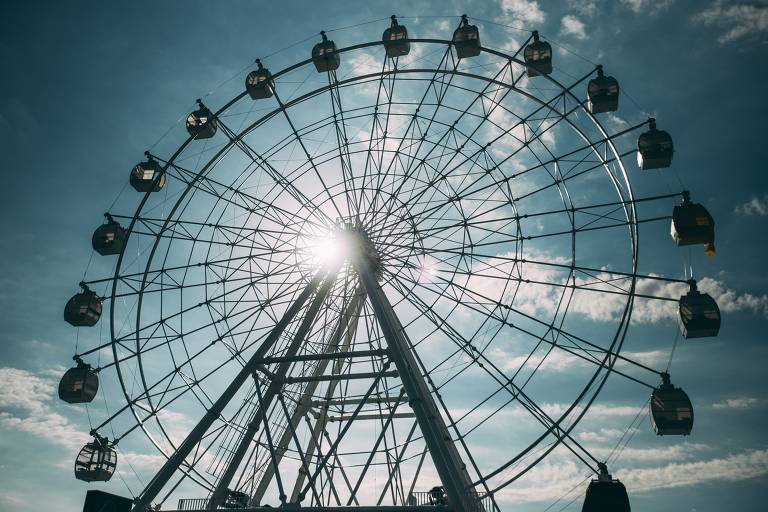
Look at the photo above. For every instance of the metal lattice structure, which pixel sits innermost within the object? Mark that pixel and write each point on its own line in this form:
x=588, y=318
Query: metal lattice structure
x=345, y=281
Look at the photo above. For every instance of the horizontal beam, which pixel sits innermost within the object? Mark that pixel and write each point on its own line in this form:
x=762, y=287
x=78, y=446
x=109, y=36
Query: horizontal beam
x=359, y=417
x=346, y=376
x=321, y=357
x=416, y=508
x=355, y=401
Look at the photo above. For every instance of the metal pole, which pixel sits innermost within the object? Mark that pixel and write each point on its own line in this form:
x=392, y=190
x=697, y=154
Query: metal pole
x=220, y=493
x=144, y=501
x=350, y=313
x=445, y=456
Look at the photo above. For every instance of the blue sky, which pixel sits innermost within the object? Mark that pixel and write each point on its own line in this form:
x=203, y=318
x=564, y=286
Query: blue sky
x=88, y=87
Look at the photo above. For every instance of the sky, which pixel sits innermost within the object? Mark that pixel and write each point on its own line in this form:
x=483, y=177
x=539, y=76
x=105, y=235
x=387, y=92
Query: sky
x=87, y=87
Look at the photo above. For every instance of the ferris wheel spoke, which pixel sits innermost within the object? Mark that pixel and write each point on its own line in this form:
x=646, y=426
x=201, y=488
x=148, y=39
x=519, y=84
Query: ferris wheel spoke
x=578, y=346
x=378, y=133
x=307, y=154
x=250, y=203
x=452, y=130
x=516, y=392
x=522, y=123
x=439, y=70
x=479, y=222
x=276, y=176
x=342, y=143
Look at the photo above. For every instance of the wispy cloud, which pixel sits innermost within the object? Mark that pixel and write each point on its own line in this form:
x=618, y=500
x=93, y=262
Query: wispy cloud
x=739, y=21
x=756, y=206
x=572, y=26
x=743, y=402
x=26, y=400
x=590, y=299
x=551, y=481
x=527, y=11
x=733, y=467
x=647, y=6
x=583, y=7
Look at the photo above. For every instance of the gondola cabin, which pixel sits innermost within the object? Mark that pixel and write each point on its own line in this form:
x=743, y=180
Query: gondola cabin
x=100, y=501
x=109, y=238
x=699, y=314
x=692, y=225
x=324, y=55
x=654, y=148
x=201, y=124
x=466, y=39
x=437, y=496
x=538, y=57
x=602, y=93
x=97, y=461
x=671, y=410
x=147, y=176
x=605, y=494
x=395, y=40
x=83, y=309
x=258, y=83
x=79, y=385
x=236, y=499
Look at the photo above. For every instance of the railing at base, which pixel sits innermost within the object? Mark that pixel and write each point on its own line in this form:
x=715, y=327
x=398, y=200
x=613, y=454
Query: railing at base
x=193, y=503
x=430, y=498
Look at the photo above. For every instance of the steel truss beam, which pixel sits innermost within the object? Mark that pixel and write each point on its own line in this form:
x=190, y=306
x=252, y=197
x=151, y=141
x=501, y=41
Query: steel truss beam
x=347, y=324
x=452, y=471
x=144, y=501
x=275, y=385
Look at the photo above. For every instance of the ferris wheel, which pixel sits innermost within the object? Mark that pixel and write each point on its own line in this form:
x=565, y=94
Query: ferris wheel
x=353, y=274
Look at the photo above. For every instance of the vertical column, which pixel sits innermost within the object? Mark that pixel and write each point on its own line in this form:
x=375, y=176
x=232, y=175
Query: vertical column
x=445, y=456
x=220, y=493
x=144, y=501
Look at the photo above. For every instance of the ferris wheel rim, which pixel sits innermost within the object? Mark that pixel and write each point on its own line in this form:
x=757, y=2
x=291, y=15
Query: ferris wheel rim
x=632, y=224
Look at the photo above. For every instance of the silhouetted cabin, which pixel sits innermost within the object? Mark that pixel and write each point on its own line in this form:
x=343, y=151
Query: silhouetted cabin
x=437, y=496
x=97, y=461
x=83, y=309
x=201, y=124
x=538, y=57
x=699, y=314
x=259, y=83
x=466, y=39
x=671, y=410
x=324, y=55
x=654, y=148
x=605, y=494
x=79, y=385
x=236, y=499
x=395, y=40
x=692, y=224
x=603, y=93
x=147, y=176
x=100, y=501
x=109, y=238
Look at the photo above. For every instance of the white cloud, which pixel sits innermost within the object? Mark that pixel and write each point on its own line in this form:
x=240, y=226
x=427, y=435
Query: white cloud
x=744, y=402
x=24, y=390
x=755, y=206
x=550, y=481
x=680, y=452
x=583, y=7
x=29, y=396
x=527, y=11
x=572, y=26
x=731, y=468
x=490, y=279
x=739, y=20
x=647, y=6
x=602, y=435
x=731, y=301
